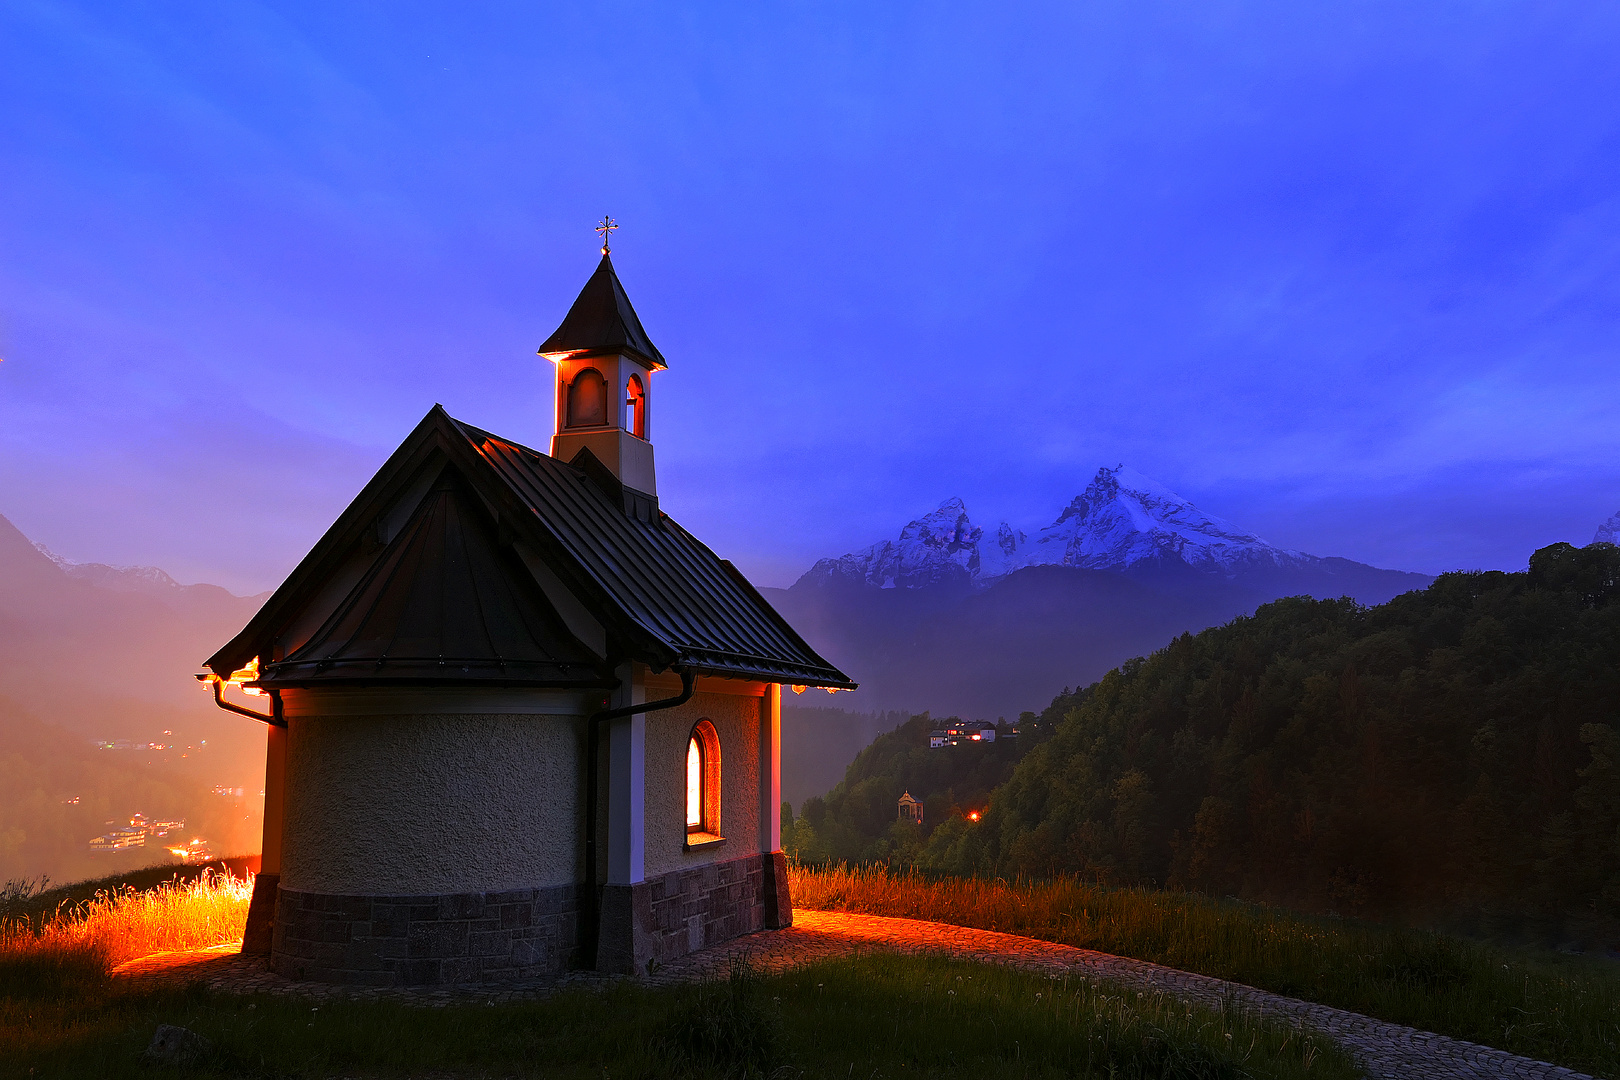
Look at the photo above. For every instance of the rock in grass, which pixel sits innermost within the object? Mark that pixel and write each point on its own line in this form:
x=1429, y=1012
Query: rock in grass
x=173, y=1045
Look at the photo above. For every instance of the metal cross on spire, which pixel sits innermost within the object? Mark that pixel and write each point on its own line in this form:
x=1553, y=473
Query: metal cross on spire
x=606, y=229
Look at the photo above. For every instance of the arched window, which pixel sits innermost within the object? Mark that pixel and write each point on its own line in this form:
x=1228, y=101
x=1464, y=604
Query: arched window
x=587, y=399
x=635, y=407
x=703, y=783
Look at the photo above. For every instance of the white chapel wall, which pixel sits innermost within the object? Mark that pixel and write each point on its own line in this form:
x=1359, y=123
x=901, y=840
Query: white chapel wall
x=428, y=804
x=736, y=720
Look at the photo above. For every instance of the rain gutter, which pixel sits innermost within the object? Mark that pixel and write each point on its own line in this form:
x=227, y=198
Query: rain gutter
x=274, y=717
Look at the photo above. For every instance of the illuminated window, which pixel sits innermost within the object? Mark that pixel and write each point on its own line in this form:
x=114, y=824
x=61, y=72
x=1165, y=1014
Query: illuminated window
x=587, y=399
x=635, y=408
x=694, y=786
x=703, y=782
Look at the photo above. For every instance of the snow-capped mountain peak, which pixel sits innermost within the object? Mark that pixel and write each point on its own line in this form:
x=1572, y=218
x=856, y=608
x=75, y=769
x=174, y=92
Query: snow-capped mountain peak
x=122, y=578
x=1121, y=519
x=942, y=545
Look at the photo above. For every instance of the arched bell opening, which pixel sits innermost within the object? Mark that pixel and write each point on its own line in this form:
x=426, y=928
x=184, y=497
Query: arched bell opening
x=635, y=407
x=587, y=400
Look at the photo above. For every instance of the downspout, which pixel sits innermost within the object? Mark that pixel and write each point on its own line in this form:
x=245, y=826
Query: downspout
x=261, y=915
x=591, y=909
x=273, y=718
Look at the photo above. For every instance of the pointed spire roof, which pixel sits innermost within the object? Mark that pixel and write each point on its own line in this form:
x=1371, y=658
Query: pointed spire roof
x=444, y=604
x=602, y=322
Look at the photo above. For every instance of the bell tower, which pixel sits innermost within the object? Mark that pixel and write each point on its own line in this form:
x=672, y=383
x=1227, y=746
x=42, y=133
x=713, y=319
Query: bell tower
x=604, y=363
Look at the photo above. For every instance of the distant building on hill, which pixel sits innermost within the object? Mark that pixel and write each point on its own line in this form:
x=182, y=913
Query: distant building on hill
x=957, y=732
x=910, y=809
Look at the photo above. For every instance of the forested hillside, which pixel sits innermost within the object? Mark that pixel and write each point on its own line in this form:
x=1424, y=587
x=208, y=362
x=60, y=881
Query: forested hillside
x=57, y=791
x=1448, y=756
x=858, y=820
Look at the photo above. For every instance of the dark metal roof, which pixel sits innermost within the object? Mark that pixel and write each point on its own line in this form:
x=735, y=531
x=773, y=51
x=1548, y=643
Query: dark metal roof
x=691, y=605
x=443, y=603
x=602, y=321
x=660, y=595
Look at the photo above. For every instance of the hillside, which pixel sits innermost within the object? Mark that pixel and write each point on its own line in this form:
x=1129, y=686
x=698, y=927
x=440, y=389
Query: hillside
x=1448, y=756
x=856, y=821
x=818, y=742
x=110, y=653
x=57, y=791
x=91, y=653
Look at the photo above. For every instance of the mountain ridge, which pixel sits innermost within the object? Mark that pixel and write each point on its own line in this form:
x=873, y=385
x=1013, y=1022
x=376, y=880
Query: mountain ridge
x=958, y=618
x=1121, y=520
x=151, y=580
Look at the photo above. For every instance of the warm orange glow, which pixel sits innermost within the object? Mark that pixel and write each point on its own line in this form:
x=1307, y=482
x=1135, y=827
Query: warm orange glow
x=973, y=815
x=800, y=689
x=587, y=399
x=635, y=407
x=694, y=784
x=122, y=925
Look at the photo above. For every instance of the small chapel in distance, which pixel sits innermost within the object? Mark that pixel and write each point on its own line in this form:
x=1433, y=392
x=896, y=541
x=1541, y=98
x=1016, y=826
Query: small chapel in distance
x=519, y=719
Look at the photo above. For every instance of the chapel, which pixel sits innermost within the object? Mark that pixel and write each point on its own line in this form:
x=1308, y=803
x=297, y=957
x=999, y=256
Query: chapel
x=519, y=720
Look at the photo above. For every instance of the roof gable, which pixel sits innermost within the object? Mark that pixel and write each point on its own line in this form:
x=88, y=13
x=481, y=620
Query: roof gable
x=443, y=602
x=662, y=597
x=603, y=321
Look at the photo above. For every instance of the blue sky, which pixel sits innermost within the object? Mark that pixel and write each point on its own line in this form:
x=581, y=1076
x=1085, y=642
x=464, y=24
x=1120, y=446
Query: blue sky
x=1346, y=274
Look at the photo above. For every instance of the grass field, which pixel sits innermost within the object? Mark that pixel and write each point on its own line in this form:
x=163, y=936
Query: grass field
x=1557, y=1008
x=63, y=1015
x=888, y=1017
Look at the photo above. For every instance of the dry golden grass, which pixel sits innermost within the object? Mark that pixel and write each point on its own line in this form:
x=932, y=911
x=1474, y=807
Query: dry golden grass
x=122, y=924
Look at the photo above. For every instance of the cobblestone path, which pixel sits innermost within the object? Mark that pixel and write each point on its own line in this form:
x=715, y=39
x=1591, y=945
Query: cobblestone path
x=1386, y=1051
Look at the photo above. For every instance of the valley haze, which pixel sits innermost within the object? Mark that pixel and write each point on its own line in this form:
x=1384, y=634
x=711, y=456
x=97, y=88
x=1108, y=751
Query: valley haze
x=948, y=617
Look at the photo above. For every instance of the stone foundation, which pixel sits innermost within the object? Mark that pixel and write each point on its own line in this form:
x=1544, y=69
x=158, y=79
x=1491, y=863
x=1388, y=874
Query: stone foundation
x=446, y=940
x=256, y=937
x=473, y=938
x=667, y=917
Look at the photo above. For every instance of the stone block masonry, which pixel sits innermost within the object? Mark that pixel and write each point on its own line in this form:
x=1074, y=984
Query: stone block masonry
x=447, y=940
x=655, y=922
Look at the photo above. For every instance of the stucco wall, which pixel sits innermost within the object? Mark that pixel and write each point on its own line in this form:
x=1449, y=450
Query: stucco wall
x=503, y=791
x=736, y=721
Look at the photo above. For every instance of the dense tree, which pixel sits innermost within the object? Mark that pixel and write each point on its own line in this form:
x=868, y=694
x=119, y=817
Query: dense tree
x=1449, y=756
